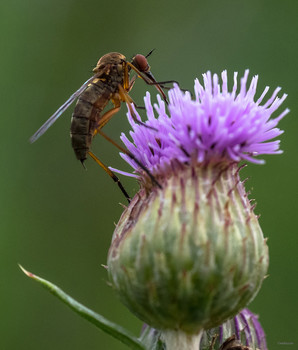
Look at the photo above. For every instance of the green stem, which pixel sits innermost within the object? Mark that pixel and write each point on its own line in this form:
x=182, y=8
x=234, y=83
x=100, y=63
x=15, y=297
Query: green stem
x=99, y=321
x=179, y=340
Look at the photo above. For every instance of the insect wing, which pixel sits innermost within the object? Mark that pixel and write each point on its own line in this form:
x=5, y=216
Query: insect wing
x=59, y=111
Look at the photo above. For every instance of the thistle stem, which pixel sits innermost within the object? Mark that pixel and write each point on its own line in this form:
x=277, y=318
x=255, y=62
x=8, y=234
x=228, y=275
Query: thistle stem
x=179, y=340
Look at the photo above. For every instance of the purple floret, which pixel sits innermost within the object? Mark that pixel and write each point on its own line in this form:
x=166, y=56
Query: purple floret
x=246, y=328
x=217, y=125
x=256, y=326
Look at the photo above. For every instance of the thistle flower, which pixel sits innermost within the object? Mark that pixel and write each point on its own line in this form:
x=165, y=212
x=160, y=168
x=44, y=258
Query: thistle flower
x=244, y=329
x=189, y=255
x=217, y=126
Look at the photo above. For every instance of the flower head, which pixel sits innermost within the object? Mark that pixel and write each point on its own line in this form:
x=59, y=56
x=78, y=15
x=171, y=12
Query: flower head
x=217, y=125
x=244, y=331
x=190, y=254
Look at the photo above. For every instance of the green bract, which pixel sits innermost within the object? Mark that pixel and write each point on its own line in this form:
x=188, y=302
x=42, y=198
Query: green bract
x=191, y=255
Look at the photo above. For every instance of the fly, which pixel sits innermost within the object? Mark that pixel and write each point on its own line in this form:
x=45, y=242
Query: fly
x=110, y=82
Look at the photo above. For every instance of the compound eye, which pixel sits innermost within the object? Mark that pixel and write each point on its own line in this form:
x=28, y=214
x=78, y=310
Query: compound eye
x=141, y=63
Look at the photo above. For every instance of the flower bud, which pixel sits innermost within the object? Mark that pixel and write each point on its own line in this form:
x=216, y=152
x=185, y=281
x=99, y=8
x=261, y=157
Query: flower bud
x=191, y=255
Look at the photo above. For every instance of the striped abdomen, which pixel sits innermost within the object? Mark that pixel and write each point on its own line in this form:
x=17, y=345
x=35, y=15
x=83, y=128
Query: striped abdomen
x=86, y=115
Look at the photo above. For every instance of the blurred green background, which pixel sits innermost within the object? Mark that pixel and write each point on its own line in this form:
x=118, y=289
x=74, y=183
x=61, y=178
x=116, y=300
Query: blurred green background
x=57, y=219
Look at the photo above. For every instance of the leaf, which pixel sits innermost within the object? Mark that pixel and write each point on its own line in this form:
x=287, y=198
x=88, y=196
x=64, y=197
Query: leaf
x=99, y=321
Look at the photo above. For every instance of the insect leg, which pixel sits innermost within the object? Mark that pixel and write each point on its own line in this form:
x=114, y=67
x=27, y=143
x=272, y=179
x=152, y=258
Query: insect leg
x=111, y=174
x=122, y=149
x=131, y=82
x=148, y=78
x=138, y=107
x=128, y=100
x=102, y=122
x=107, y=116
x=128, y=84
x=161, y=84
x=214, y=337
